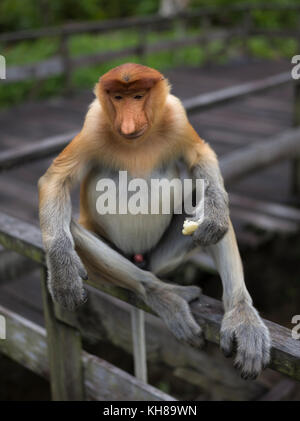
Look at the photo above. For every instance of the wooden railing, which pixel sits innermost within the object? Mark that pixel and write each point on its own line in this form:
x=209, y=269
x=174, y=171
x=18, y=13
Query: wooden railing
x=64, y=63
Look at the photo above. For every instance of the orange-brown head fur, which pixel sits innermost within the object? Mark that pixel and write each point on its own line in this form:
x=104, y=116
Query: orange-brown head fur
x=133, y=97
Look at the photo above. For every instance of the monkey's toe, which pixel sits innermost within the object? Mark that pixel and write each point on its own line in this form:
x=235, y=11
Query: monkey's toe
x=188, y=293
x=185, y=328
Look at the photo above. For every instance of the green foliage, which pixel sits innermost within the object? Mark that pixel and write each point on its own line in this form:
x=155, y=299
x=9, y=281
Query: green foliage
x=24, y=14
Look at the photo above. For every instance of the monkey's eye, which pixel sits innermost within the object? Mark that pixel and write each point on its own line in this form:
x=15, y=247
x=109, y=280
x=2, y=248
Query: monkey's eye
x=138, y=97
x=118, y=97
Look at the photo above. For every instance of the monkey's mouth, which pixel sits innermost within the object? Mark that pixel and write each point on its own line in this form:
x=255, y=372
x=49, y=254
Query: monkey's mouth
x=134, y=135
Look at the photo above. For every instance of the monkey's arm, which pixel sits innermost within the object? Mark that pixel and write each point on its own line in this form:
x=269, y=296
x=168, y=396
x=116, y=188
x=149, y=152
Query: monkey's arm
x=65, y=269
x=211, y=218
x=242, y=329
x=241, y=323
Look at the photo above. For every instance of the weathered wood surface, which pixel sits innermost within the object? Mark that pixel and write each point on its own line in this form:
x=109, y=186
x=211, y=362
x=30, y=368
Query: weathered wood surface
x=64, y=351
x=254, y=157
x=281, y=391
x=26, y=344
x=22, y=237
x=207, y=311
x=49, y=146
x=139, y=343
x=107, y=319
x=222, y=96
x=13, y=265
x=268, y=208
x=33, y=151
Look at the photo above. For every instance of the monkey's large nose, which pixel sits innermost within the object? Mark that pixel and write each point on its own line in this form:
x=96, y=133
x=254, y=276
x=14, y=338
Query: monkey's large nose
x=128, y=127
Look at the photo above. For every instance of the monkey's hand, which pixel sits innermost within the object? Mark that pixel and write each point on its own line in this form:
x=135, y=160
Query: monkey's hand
x=209, y=224
x=65, y=275
x=243, y=328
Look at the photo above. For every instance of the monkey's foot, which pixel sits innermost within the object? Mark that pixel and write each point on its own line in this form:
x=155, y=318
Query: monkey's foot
x=175, y=312
x=243, y=328
x=188, y=293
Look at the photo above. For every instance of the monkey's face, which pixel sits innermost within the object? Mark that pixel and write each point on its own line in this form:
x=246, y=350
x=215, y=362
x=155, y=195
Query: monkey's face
x=130, y=117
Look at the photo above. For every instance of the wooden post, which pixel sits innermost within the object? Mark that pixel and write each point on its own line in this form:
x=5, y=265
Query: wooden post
x=206, y=25
x=142, y=46
x=65, y=58
x=64, y=351
x=247, y=24
x=139, y=343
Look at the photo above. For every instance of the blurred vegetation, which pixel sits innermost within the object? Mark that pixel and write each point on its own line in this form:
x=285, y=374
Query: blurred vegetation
x=25, y=14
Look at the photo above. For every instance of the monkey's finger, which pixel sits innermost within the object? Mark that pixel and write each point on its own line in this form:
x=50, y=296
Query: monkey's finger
x=227, y=343
x=83, y=273
x=84, y=295
x=266, y=354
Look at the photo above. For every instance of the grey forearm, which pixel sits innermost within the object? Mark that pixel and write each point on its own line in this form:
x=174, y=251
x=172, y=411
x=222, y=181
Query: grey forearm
x=213, y=213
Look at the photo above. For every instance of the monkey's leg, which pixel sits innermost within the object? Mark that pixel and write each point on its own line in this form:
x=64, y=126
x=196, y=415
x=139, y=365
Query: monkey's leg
x=172, y=249
x=241, y=324
x=102, y=260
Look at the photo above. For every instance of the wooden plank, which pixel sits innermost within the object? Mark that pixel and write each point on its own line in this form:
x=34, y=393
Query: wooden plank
x=281, y=391
x=57, y=64
x=264, y=222
x=64, y=350
x=35, y=150
x=49, y=146
x=105, y=382
x=139, y=343
x=274, y=209
x=260, y=155
x=26, y=344
x=35, y=71
x=286, y=351
x=222, y=96
x=22, y=237
x=107, y=319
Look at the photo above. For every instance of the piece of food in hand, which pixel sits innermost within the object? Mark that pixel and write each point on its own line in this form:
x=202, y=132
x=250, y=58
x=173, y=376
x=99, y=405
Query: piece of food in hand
x=189, y=227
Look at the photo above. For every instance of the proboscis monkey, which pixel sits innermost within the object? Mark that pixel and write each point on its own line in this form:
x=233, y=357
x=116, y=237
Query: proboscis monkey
x=136, y=125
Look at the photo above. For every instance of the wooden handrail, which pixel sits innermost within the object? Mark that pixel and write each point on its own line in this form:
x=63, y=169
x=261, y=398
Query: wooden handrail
x=25, y=239
x=102, y=380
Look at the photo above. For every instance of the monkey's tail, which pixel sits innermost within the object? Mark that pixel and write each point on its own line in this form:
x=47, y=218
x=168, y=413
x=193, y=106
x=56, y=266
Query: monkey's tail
x=101, y=261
